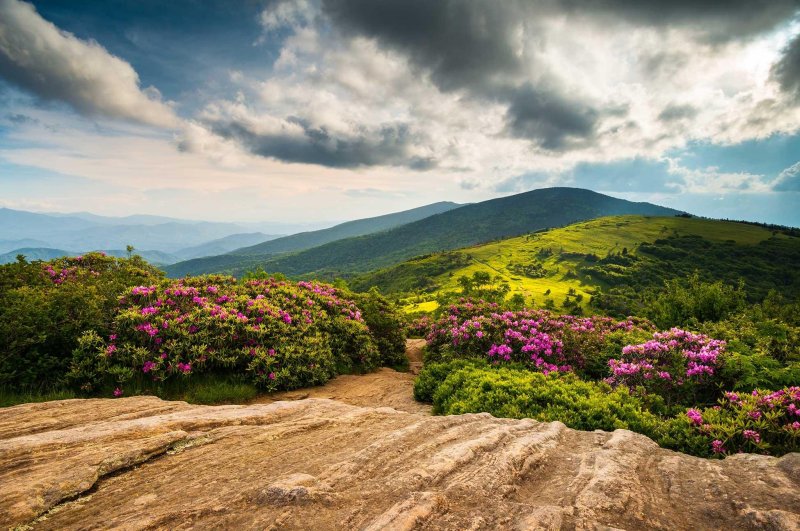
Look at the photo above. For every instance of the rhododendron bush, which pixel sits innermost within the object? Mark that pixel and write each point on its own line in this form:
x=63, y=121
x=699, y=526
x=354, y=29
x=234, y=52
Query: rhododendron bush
x=677, y=365
x=543, y=341
x=277, y=334
x=759, y=422
x=46, y=306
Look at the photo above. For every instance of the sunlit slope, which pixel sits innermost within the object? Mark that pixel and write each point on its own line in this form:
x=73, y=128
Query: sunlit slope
x=558, y=260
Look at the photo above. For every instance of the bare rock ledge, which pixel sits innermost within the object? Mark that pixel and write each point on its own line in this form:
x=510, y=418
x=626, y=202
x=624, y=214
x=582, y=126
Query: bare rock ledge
x=141, y=462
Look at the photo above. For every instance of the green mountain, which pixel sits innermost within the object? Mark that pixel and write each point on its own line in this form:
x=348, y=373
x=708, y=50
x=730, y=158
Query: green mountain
x=468, y=225
x=609, y=258
x=223, y=245
x=254, y=255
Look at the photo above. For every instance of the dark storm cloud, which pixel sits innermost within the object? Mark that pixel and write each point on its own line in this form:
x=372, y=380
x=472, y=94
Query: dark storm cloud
x=388, y=145
x=463, y=43
x=550, y=119
x=787, y=70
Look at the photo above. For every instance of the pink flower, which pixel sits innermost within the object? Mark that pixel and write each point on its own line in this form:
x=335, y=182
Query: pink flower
x=695, y=416
x=752, y=435
x=117, y=392
x=717, y=446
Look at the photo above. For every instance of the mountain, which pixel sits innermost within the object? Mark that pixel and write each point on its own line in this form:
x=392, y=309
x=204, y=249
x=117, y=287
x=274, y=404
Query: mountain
x=33, y=253
x=460, y=227
x=224, y=245
x=242, y=259
x=46, y=253
x=573, y=264
x=9, y=245
x=83, y=232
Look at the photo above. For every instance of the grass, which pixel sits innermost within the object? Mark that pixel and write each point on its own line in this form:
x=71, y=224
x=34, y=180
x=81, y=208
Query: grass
x=12, y=398
x=567, y=247
x=208, y=392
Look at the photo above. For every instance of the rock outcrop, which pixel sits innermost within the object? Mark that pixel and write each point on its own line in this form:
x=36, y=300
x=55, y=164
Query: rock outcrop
x=321, y=464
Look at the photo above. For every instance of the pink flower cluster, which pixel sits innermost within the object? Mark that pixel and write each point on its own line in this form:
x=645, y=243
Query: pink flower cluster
x=546, y=342
x=672, y=358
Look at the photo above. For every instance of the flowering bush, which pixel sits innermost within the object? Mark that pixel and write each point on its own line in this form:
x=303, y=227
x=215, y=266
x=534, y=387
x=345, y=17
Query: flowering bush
x=763, y=422
x=541, y=340
x=677, y=365
x=420, y=326
x=279, y=334
x=46, y=306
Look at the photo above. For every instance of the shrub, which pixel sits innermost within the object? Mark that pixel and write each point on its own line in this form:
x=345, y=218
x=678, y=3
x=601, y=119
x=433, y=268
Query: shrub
x=539, y=339
x=281, y=335
x=387, y=326
x=762, y=422
x=677, y=365
x=46, y=306
x=688, y=301
x=518, y=393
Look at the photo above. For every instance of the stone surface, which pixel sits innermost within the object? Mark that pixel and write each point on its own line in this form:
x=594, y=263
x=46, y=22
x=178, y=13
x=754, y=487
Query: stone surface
x=141, y=462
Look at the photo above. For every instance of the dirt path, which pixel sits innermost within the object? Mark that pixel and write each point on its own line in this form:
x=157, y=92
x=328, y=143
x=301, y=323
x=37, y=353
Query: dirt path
x=414, y=352
x=383, y=388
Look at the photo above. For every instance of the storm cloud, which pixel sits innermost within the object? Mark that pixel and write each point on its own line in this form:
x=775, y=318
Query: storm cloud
x=389, y=144
x=787, y=70
x=549, y=118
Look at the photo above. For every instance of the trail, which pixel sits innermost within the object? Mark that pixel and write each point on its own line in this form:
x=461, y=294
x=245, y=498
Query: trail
x=383, y=388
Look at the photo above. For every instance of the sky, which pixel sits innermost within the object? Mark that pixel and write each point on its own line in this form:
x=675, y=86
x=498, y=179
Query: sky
x=307, y=111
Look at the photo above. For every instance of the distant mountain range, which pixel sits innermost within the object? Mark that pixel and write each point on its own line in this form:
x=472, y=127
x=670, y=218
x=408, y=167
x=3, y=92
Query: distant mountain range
x=160, y=239
x=451, y=229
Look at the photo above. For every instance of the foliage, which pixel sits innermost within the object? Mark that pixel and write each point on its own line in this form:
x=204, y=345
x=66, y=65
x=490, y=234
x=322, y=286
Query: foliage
x=46, y=306
x=619, y=262
x=677, y=365
x=763, y=422
x=688, y=301
x=279, y=334
x=386, y=324
x=519, y=393
x=15, y=396
x=537, y=338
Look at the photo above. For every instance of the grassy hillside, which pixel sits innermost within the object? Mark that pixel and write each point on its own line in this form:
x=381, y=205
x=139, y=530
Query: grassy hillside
x=468, y=225
x=576, y=261
x=245, y=258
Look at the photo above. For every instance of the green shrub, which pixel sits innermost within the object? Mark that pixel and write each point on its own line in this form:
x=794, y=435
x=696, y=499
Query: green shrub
x=762, y=422
x=433, y=374
x=46, y=306
x=386, y=324
x=518, y=393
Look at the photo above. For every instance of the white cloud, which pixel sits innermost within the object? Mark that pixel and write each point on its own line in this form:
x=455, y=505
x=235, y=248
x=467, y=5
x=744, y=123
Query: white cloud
x=789, y=179
x=55, y=65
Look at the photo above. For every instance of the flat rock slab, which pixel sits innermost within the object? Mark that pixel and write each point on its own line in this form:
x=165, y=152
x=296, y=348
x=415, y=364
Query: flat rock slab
x=142, y=463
